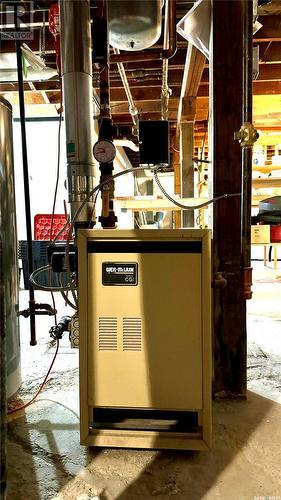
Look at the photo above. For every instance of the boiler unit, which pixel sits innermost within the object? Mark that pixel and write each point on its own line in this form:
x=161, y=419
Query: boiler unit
x=145, y=338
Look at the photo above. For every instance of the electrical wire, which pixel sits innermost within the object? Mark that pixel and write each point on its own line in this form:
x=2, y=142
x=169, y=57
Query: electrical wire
x=191, y=207
x=26, y=405
x=69, y=286
x=58, y=164
x=61, y=230
x=66, y=299
x=93, y=209
x=100, y=185
x=199, y=160
x=56, y=188
x=64, y=295
x=54, y=307
x=106, y=181
x=86, y=200
x=45, y=288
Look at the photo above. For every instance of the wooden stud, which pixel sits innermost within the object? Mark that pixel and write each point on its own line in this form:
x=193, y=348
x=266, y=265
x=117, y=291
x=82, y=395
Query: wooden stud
x=187, y=169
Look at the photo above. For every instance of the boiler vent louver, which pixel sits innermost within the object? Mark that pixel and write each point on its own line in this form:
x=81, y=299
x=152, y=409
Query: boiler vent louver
x=132, y=334
x=107, y=334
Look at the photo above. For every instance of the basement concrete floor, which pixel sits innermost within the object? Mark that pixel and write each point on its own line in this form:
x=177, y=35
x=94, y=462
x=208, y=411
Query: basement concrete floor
x=46, y=461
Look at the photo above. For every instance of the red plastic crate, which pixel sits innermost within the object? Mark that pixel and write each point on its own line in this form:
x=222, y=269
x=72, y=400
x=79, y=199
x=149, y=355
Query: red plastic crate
x=275, y=233
x=42, y=226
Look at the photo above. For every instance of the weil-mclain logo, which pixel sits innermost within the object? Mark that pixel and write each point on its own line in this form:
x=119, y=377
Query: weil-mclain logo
x=16, y=20
x=119, y=273
x=120, y=269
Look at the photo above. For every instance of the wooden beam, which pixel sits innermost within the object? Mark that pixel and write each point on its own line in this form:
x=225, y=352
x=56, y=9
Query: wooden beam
x=267, y=73
x=227, y=92
x=150, y=78
x=29, y=97
x=45, y=97
x=153, y=106
x=32, y=86
x=259, y=88
x=193, y=69
x=148, y=204
x=155, y=204
x=175, y=164
x=187, y=169
x=271, y=29
x=177, y=61
x=270, y=182
x=270, y=52
x=141, y=94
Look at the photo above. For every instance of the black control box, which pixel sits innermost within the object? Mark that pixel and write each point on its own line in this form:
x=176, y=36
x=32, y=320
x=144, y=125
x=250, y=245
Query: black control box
x=154, y=142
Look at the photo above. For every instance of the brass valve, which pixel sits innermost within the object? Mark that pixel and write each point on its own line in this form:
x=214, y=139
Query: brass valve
x=247, y=135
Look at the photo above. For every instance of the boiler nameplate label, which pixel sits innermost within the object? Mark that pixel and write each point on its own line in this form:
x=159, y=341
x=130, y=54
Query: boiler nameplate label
x=119, y=273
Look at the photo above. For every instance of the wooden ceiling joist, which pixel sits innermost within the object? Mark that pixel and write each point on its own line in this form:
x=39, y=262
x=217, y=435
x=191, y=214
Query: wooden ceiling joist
x=188, y=71
x=193, y=70
x=270, y=30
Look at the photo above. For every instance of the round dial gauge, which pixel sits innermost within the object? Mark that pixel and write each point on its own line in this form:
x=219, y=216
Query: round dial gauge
x=104, y=151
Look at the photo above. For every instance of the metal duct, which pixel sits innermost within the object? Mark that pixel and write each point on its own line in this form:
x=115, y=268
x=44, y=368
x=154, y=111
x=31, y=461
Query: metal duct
x=133, y=24
x=78, y=107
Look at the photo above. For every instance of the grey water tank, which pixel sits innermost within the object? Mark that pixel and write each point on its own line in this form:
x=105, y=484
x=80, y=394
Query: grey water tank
x=134, y=24
x=9, y=286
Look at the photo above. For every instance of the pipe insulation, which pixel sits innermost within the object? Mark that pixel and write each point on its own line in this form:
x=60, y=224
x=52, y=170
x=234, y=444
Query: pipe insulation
x=78, y=103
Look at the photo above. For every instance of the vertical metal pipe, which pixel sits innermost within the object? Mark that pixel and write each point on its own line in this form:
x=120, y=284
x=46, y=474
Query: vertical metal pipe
x=165, y=93
x=3, y=382
x=25, y=182
x=78, y=106
x=108, y=218
x=247, y=149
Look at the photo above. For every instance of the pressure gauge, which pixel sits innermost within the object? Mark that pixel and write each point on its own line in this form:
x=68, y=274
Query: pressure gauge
x=104, y=151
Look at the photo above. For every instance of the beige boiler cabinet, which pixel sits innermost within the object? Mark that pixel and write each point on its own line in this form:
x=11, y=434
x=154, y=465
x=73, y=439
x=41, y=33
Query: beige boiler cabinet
x=145, y=338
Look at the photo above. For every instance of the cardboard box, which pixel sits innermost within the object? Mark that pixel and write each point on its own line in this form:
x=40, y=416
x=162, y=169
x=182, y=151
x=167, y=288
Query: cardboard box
x=260, y=233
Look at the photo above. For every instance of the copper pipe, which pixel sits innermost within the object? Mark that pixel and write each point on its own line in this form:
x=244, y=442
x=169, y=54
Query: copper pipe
x=153, y=54
x=246, y=277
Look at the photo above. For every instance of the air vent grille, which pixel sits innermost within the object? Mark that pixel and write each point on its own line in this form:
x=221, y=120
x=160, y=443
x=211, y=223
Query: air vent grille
x=132, y=334
x=107, y=334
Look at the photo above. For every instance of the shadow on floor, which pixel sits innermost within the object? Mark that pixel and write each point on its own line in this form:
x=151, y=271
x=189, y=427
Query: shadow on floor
x=47, y=462
x=44, y=453
x=192, y=475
